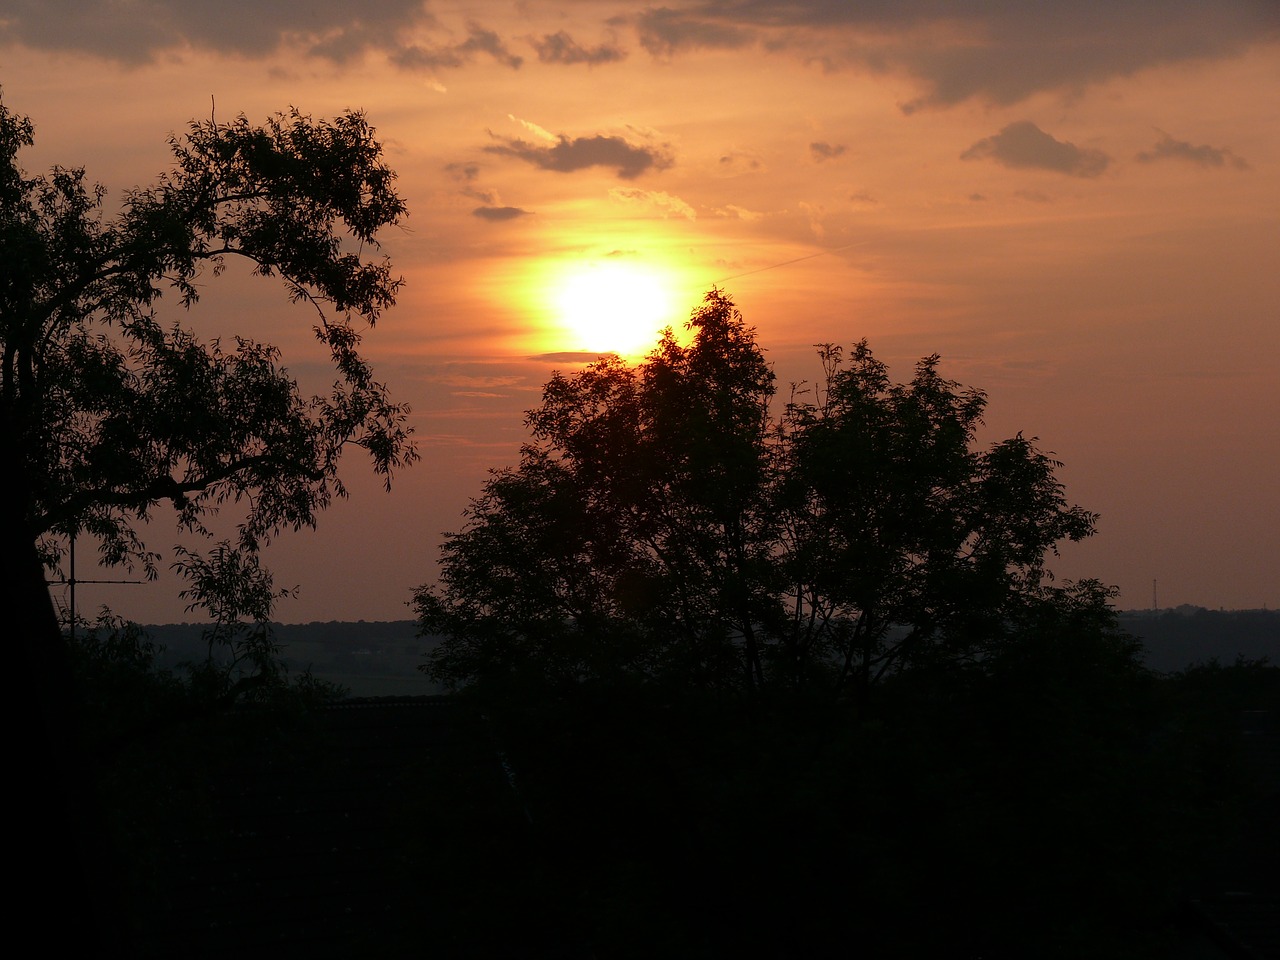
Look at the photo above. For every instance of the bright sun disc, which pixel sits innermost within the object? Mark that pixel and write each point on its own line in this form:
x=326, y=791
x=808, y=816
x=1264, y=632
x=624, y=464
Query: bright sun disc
x=614, y=307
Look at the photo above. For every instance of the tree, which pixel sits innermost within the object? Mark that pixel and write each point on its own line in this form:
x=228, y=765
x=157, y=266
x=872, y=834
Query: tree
x=626, y=538
x=663, y=522
x=108, y=411
x=112, y=411
x=902, y=542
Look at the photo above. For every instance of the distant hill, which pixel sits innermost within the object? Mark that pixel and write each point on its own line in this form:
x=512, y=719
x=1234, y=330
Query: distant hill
x=381, y=657
x=368, y=657
x=1173, y=639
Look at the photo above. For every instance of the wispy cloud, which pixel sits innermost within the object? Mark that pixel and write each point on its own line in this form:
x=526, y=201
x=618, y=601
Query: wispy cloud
x=540, y=132
x=664, y=203
x=734, y=212
x=465, y=172
x=1203, y=155
x=740, y=161
x=664, y=31
x=559, y=47
x=1024, y=145
x=479, y=40
x=825, y=151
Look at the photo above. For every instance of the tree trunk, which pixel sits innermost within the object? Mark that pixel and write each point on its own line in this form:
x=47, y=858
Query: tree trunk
x=62, y=886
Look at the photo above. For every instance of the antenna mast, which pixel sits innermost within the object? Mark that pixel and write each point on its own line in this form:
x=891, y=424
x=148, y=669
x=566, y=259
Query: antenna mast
x=70, y=581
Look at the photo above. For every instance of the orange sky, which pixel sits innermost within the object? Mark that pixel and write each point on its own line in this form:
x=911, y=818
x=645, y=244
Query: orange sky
x=1079, y=209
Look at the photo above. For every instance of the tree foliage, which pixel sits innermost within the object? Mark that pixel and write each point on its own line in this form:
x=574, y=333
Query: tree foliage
x=634, y=514
x=113, y=410
x=902, y=541
x=662, y=521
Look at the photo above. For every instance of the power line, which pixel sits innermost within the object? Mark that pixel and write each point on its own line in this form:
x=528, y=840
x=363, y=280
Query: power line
x=787, y=263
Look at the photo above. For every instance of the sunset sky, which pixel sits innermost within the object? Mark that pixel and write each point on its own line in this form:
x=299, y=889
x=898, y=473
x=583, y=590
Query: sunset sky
x=1076, y=204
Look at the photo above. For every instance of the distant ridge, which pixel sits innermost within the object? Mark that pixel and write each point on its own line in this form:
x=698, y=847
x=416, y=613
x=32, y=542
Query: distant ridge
x=1175, y=638
x=370, y=658
x=356, y=653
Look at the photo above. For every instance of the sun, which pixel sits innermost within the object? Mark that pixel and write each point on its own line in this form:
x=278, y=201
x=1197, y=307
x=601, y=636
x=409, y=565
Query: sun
x=613, y=306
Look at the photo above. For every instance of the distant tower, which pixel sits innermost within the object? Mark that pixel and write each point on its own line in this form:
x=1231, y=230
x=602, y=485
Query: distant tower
x=1154, y=596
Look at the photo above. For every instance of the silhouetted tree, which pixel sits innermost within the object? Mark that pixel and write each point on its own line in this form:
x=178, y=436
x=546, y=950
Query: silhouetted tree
x=630, y=536
x=112, y=411
x=662, y=523
x=902, y=542
x=108, y=411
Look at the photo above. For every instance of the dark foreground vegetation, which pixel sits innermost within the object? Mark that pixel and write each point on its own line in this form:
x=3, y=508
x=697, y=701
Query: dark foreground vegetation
x=1057, y=804
x=1020, y=814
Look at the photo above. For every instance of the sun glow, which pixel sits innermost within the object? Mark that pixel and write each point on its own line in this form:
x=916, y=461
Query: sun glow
x=613, y=306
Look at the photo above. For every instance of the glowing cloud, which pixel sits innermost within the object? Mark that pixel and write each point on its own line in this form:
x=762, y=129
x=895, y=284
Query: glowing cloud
x=664, y=203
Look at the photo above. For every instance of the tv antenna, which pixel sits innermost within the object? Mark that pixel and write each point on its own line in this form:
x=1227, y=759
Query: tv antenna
x=70, y=581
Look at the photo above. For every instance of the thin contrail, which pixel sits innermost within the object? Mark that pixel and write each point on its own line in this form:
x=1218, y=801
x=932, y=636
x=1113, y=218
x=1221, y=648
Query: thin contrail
x=787, y=263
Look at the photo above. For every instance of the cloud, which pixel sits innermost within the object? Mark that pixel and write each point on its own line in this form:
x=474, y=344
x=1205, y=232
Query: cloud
x=665, y=32
x=499, y=214
x=740, y=161
x=479, y=40
x=1023, y=145
x=488, y=197
x=825, y=151
x=559, y=47
x=566, y=155
x=135, y=32
x=734, y=212
x=336, y=30
x=664, y=203
x=492, y=208
x=540, y=132
x=999, y=51
x=1204, y=155
x=815, y=212
x=465, y=172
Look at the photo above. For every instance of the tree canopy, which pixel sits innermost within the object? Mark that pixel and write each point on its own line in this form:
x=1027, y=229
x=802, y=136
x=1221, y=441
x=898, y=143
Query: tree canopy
x=664, y=520
x=111, y=409
x=114, y=409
